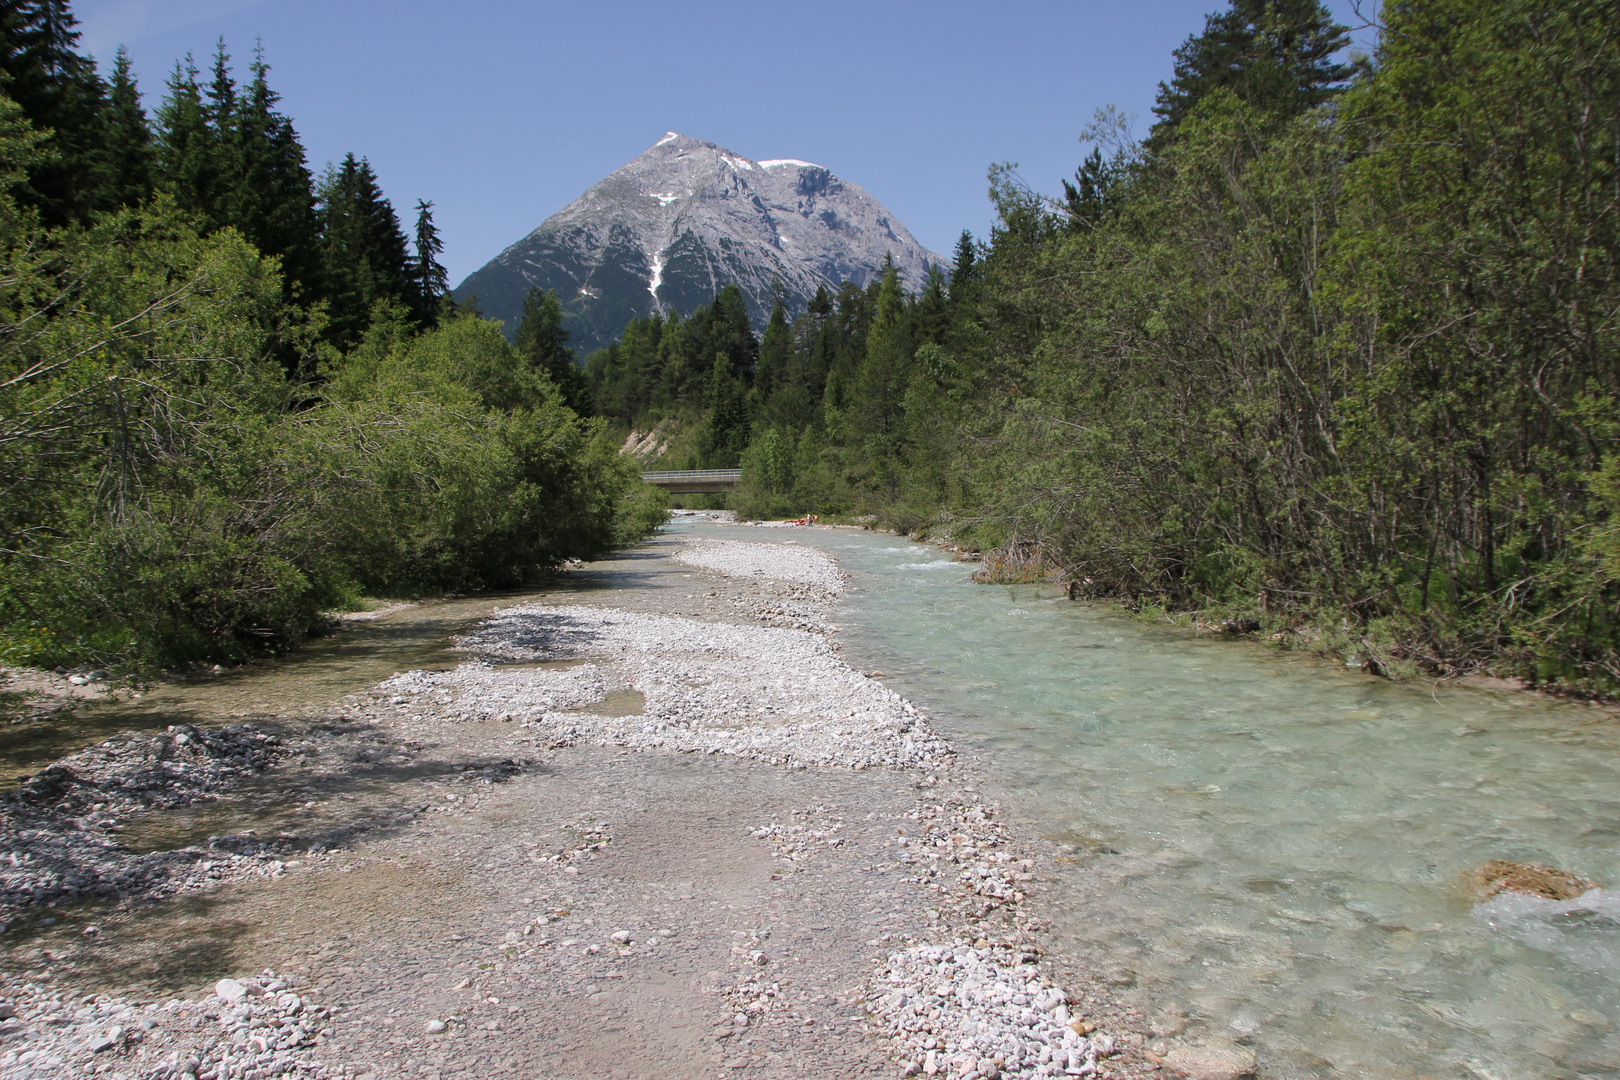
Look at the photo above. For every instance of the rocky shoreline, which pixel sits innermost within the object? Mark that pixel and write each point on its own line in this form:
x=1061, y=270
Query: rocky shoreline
x=951, y=982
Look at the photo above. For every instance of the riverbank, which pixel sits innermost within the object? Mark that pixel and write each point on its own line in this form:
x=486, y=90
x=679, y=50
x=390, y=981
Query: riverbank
x=655, y=827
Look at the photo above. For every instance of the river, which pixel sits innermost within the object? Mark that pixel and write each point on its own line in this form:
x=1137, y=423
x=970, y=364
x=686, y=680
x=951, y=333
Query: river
x=1272, y=846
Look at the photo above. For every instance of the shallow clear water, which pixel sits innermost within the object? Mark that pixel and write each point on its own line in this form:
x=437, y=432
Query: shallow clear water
x=311, y=678
x=1271, y=845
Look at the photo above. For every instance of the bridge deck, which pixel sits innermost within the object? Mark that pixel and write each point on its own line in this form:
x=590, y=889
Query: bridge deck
x=694, y=481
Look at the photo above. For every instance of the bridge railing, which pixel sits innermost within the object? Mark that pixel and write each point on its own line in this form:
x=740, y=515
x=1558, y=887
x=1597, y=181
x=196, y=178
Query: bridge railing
x=682, y=476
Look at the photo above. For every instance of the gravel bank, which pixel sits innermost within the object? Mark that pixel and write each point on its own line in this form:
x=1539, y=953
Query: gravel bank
x=683, y=844
x=786, y=561
x=253, y=1026
x=58, y=830
x=775, y=695
x=972, y=1001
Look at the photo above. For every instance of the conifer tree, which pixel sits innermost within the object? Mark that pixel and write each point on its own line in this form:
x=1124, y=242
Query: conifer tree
x=722, y=441
x=1276, y=55
x=219, y=109
x=187, y=147
x=732, y=332
x=58, y=91
x=931, y=312
x=542, y=342
x=364, y=254
x=966, y=272
x=432, y=280
x=880, y=381
x=775, y=354
x=130, y=155
x=1093, y=192
x=270, y=193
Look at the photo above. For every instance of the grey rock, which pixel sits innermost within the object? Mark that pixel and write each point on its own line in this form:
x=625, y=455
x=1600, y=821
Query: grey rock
x=436, y=1027
x=666, y=231
x=1212, y=1059
x=230, y=991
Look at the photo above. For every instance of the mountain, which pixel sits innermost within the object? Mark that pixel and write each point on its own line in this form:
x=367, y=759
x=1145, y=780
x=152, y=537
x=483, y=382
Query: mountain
x=666, y=231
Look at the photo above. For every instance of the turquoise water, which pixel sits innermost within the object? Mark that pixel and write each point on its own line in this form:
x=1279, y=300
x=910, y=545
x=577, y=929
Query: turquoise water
x=1272, y=847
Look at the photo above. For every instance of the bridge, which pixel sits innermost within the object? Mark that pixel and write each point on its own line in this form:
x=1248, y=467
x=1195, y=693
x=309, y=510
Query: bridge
x=694, y=481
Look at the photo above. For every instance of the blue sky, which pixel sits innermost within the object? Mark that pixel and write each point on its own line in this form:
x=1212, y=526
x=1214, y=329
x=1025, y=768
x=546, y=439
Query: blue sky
x=501, y=112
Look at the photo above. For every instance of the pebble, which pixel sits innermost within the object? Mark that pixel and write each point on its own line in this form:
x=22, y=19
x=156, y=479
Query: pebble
x=772, y=694
x=58, y=828
x=250, y=1027
x=973, y=1008
x=778, y=562
x=436, y=1027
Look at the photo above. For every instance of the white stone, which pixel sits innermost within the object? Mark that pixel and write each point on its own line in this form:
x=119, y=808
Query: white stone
x=230, y=991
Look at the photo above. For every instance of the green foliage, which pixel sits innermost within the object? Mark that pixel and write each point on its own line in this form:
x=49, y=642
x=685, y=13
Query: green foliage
x=363, y=251
x=1275, y=56
x=1353, y=367
x=152, y=507
x=168, y=495
x=543, y=344
x=1338, y=356
x=482, y=475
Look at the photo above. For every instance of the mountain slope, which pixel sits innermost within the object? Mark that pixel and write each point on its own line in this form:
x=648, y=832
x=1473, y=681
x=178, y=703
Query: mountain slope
x=666, y=231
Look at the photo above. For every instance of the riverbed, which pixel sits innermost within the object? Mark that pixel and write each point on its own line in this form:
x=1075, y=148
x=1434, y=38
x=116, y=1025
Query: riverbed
x=1272, y=848
x=646, y=823
x=1252, y=849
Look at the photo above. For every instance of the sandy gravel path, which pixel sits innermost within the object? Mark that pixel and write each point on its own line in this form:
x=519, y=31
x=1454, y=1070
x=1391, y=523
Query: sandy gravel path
x=602, y=855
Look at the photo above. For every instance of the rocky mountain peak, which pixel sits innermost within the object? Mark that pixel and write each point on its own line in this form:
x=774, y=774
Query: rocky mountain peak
x=670, y=228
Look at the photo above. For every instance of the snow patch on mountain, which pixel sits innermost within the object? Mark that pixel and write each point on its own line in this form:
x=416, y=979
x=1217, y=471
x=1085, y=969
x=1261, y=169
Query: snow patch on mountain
x=656, y=278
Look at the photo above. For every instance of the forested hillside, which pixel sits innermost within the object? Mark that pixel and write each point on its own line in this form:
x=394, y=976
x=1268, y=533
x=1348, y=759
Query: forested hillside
x=1333, y=348
x=234, y=394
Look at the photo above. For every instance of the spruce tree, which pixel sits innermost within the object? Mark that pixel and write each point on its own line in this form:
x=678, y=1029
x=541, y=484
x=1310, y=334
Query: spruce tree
x=58, y=91
x=1093, y=193
x=542, y=343
x=432, y=280
x=966, y=273
x=880, y=381
x=364, y=254
x=219, y=108
x=1274, y=54
x=931, y=313
x=188, y=162
x=130, y=154
x=269, y=191
x=731, y=330
x=775, y=355
x=725, y=436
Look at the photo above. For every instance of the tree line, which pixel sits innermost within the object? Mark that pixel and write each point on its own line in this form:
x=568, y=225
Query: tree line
x=224, y=155
x=234, y=395
x=1331, y=349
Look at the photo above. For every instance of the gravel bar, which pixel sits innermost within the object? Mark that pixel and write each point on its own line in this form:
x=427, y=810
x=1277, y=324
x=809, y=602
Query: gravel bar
x=657, y=854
